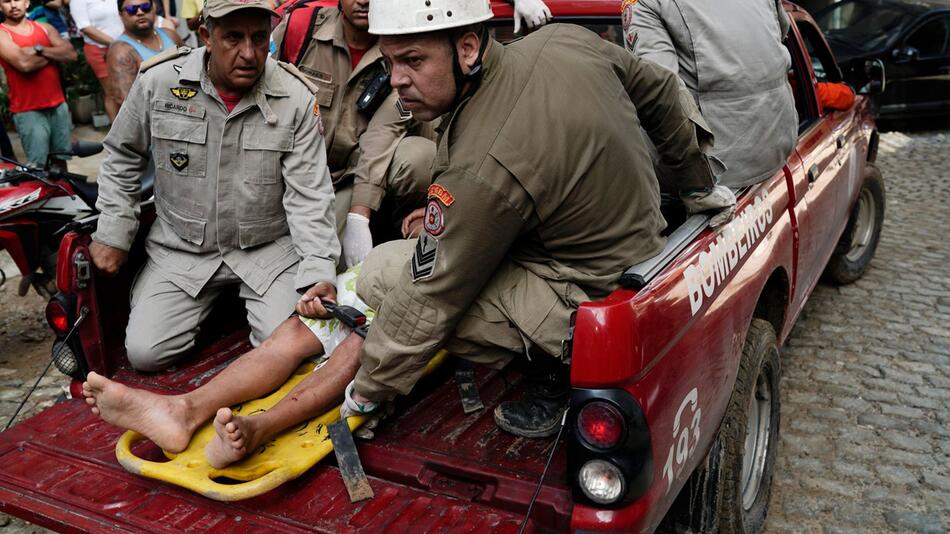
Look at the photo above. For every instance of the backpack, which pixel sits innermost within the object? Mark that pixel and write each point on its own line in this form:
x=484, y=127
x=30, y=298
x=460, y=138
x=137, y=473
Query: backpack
x=301, y=17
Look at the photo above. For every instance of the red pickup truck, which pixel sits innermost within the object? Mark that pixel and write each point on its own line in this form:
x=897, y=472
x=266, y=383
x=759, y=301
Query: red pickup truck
x=675, y=406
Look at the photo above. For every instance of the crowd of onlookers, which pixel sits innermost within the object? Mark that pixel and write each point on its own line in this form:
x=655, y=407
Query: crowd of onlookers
x=112, y=36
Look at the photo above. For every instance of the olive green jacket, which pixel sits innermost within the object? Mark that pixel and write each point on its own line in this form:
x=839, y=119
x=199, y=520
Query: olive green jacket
x=539, y=168
x=360, y=147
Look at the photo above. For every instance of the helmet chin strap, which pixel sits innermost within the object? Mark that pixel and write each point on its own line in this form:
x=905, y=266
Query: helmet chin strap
x=474, y=76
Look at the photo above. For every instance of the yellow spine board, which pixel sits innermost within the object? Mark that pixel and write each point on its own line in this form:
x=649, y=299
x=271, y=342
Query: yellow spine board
x=285, y=457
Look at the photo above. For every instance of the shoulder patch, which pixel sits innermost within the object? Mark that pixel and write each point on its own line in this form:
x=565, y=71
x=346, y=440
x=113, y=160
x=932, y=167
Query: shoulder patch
x=164, y=56
x=438, y=191
x=293, y=70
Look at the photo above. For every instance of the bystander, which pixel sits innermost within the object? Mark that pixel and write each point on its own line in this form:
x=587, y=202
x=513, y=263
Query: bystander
x=140, y=41
x=28, y=53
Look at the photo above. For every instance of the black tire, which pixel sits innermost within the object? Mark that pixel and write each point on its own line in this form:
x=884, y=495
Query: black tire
x=852, y=256
x=712, y=500
x=743, y=504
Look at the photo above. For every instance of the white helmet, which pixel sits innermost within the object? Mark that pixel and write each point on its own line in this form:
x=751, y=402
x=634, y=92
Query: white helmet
x=401, y=17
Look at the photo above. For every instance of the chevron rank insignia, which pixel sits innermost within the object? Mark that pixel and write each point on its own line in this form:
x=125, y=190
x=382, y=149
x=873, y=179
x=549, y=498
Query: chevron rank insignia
x=179, y=160
x=423, y=260
x=183, y=93
x=403, y=112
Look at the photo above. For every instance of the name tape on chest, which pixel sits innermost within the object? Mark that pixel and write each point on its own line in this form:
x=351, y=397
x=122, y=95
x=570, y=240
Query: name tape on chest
x=180, y=108
x=423, y=259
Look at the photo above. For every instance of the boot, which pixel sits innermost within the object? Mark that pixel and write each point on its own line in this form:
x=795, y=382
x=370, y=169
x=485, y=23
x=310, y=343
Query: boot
x=538, y=414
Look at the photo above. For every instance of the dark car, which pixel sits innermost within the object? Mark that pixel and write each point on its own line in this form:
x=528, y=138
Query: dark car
x=910, y=38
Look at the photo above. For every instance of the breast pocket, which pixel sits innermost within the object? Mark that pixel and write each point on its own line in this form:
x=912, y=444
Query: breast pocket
x=180, y=146
x=325, y=91
x=264, y=146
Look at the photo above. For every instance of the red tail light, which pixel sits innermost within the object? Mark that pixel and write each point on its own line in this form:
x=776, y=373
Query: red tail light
x=57, y=317
x=601, y=425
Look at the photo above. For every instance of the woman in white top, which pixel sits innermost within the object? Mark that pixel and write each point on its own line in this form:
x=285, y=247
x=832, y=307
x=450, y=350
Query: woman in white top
x=100, y=24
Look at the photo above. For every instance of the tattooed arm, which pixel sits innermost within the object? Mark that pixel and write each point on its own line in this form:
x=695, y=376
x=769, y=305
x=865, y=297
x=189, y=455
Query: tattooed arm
x=123, y=64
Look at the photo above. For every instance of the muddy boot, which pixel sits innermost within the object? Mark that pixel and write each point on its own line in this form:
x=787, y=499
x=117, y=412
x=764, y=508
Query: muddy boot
x=538, y=414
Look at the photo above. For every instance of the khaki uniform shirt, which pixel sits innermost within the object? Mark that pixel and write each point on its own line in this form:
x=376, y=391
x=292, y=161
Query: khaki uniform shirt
x=249, y=188
x=537, y=168
x=729, y=55
x=359, y=148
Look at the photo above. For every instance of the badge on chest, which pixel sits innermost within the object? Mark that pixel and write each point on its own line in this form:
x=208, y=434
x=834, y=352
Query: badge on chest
x=179, y=160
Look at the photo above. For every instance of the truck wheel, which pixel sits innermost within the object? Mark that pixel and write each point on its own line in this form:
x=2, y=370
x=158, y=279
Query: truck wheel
x=748, y=438
x=729, y=492
x=852, y=255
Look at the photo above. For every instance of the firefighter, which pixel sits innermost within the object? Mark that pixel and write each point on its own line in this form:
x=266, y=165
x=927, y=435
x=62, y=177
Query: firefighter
x=374, y=149
x=540, y=198
x=730, y=57
x=240, y=166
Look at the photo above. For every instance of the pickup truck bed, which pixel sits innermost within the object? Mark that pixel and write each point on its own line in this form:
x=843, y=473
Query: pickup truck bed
x=668, y=351
x=426, y=466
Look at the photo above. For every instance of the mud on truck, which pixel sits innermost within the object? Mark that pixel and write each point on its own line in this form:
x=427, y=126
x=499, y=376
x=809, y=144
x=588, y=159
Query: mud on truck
x=675, y=406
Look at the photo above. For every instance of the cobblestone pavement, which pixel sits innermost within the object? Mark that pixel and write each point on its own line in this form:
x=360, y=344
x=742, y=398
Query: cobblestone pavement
x=866, y=390
x=865, y=441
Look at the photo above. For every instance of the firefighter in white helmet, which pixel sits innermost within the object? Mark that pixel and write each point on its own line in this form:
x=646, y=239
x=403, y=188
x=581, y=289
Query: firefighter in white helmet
x=539, y=201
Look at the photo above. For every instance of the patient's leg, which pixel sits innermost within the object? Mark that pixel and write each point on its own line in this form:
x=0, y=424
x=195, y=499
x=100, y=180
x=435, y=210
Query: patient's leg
x=322, y=389
x=170, y=420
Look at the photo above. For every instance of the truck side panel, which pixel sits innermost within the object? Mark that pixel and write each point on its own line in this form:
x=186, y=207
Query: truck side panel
x=675, y=345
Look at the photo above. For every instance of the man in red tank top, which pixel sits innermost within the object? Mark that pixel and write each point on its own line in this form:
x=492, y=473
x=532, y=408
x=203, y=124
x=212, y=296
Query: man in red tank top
x=28, y=51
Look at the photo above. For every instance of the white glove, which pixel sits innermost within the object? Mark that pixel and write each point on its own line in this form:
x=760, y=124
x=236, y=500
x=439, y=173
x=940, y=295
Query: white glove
x=357, y=239
x=534, y=12
x=720, y=199
x=351, y=407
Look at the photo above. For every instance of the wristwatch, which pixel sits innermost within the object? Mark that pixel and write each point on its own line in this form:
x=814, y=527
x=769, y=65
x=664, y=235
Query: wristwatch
x=39, y=49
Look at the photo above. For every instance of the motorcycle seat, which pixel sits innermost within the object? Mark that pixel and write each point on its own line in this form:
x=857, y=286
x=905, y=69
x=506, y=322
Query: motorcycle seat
x=86, y=191
x=89, y=192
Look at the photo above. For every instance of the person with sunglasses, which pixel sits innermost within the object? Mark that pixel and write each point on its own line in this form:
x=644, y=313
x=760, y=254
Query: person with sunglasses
x=140, y=41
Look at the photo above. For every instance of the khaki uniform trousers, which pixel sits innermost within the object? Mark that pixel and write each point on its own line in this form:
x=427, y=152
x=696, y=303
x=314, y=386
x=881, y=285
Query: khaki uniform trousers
x=516, y=313
x=407, y=179
x=165, y=320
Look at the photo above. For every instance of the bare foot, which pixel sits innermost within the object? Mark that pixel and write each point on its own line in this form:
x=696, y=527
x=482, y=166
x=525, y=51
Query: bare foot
x=163, y=419
x=236, y=436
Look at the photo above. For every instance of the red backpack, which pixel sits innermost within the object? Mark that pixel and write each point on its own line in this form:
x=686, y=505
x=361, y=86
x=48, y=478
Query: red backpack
x=301, y=17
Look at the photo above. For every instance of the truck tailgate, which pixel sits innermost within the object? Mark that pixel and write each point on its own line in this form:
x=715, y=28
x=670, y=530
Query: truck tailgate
x=433, y=469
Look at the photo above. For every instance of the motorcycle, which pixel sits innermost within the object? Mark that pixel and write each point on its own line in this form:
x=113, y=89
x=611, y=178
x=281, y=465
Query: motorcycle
x=38, y=207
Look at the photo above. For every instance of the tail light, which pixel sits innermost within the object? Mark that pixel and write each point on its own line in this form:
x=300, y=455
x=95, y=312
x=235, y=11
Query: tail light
x=601, y=425
x=601, y=481
x=67, y=351
x=58, y=317
x=609, y=454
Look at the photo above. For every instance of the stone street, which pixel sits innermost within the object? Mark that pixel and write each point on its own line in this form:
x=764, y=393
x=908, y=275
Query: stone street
x=865, y=441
